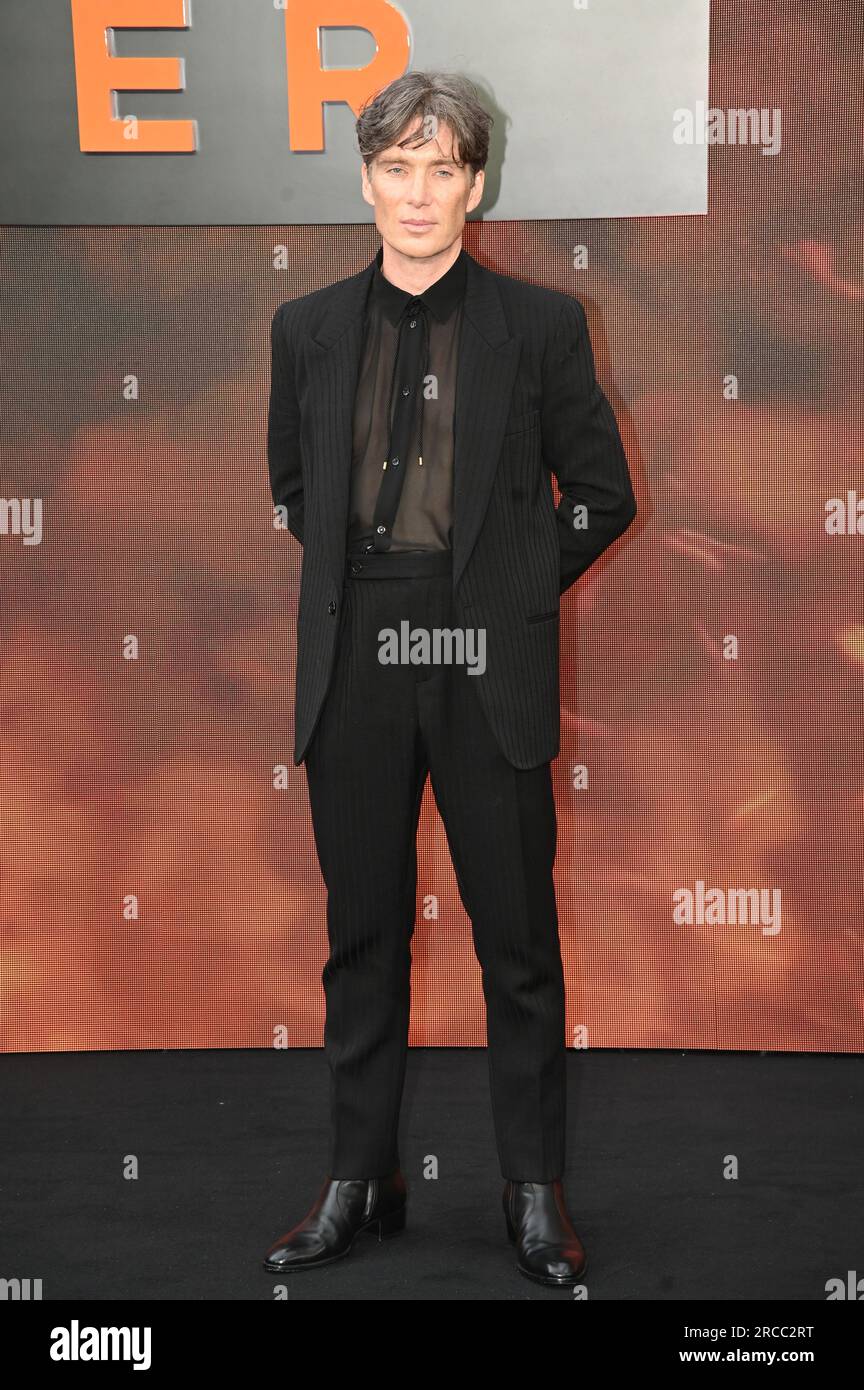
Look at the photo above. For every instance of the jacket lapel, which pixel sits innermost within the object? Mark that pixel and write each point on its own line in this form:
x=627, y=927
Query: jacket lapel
x=333, y=366
x=488, y=359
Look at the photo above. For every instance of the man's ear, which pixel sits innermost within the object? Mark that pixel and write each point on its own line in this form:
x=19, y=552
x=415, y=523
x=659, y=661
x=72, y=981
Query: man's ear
x=476, y=192
x=365, y=187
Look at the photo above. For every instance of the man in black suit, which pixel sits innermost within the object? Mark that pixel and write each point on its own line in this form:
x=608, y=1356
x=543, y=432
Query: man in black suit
x=416, y=411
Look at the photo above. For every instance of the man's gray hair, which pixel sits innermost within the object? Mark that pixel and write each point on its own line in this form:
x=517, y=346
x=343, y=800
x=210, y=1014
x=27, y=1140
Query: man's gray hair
x=444, y=96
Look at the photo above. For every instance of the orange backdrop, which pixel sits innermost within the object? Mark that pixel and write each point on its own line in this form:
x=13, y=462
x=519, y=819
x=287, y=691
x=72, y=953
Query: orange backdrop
x=158, y=877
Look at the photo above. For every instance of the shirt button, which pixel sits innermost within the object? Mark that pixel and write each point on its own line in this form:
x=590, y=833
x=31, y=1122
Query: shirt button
x=331, y=607
x=381, y=530
x=406, y=390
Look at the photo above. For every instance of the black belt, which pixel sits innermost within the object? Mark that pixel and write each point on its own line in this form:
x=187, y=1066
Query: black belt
x=399, y=564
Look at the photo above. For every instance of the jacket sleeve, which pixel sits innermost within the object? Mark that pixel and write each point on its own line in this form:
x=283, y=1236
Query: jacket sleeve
x=582, y=446
x=283, y=428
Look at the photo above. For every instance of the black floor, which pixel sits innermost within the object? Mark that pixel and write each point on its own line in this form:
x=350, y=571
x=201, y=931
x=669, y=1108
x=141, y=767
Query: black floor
x=231, y=1149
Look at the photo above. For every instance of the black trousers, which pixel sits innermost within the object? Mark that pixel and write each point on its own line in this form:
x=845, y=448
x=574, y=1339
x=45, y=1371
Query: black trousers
x=382, y=730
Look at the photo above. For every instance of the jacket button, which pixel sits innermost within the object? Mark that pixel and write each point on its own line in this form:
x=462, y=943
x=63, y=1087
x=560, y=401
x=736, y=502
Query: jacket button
x=331, y=607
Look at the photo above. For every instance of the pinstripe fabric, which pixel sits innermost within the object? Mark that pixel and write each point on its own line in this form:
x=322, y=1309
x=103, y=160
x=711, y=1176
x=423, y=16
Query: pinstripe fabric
x=382, y=730
x=527, y=403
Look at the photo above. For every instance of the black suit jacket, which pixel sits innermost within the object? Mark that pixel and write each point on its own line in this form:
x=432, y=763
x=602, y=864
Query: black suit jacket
x=527, y=403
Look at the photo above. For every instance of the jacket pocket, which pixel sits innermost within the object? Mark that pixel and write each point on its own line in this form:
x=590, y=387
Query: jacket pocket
x=518, y=424
x=542, y=617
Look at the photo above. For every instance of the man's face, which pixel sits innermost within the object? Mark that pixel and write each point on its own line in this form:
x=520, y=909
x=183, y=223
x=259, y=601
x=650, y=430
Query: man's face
x=421, y=196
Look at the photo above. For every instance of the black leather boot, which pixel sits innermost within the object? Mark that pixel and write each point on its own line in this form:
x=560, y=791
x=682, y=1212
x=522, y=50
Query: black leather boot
x=548, y=1249
x=343, y=1208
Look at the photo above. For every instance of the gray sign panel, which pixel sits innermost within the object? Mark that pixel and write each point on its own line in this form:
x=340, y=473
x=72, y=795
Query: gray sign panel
x=584, y=94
